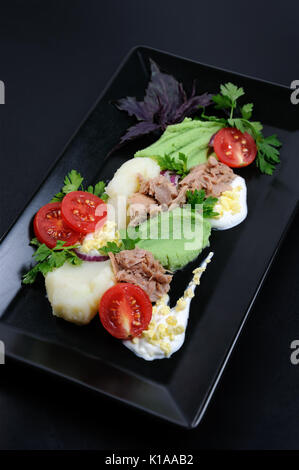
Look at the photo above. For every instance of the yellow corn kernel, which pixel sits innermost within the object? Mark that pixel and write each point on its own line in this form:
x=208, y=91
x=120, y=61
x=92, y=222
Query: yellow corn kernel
x=161, y=330
x=198, y=270
x=148, y=334
x=154, y=311
x=152, y=324
x=162, y=300
x=170, y=330
x=135, y=340
x=152, y=341
x=171, y=320
x=189, y=293
x=165, y=310
x=179, y=330
x=165, y=347
x=181, y=304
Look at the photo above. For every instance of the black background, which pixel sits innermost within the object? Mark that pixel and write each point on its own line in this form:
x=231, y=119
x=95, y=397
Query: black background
x=55, y=58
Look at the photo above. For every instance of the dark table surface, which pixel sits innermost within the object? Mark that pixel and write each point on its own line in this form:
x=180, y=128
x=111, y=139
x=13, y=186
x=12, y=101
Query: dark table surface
x=55, y=58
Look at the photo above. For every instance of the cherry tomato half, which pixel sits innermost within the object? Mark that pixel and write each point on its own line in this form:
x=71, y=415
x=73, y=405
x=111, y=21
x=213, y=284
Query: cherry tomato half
x=49, y=226
x=83, y=212
x=125, y=310
x=234, y=148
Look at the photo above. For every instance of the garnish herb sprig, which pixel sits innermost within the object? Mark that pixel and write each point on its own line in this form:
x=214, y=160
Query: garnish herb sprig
x=169, y=163
x=267, y=147
x=127, y=243
x=73, y=182
x=197, y=197
x=50, y=258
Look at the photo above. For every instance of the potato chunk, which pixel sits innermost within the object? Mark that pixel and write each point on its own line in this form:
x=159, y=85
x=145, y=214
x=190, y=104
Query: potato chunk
x=125, y=183
x=75, y=291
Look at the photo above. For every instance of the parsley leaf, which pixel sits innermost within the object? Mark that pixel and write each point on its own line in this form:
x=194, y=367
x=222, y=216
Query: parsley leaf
x=30, y=277
x=170, y=163
x=267, y=147
x=127, y=243
x=267, y=153
x=246, y=110
x=98, y=190
x=238, y=123
x=73, y=182
x=195, y=197
x=199, y=197
x=49, y=259
x=110, y=247
x=221, y=102
x=208, y=207
x=58, y=197
x=231, y=91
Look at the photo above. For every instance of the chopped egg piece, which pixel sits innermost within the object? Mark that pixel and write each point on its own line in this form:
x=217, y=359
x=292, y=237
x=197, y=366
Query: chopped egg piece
x=96, y=240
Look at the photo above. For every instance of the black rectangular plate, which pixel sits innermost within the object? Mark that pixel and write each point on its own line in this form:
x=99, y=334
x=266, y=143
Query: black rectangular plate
x=177, y=389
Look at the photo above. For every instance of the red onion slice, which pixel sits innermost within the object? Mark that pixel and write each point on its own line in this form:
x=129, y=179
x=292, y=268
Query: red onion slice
x=172, y=177
x=87, y=257
x=211, y=143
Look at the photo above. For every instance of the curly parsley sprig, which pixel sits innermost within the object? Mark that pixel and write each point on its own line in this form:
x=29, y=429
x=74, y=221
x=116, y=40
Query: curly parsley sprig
x=197, y=197
x=170, y=163
x=49, y=259
x=73, y=182
x=127, y=243
x=267, y=147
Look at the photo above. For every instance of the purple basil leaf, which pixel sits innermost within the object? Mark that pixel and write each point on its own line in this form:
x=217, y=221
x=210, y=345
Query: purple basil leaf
x=163, y=92
x=134, y=108
x=190, y=106
x=165, y=103
x=139, y=129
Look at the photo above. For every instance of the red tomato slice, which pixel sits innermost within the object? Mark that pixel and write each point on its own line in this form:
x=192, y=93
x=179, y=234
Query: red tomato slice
x=49, y=226
x=83, y=212
x=125, y=310
x=234, y=148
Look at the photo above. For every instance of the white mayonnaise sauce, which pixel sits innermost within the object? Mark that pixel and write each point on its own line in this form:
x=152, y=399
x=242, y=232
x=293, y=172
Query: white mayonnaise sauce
x=231, y=206
x=166, y=331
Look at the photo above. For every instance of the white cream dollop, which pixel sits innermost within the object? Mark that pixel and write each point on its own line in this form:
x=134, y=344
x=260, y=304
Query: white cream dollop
x=231, y=206
x=166, y=331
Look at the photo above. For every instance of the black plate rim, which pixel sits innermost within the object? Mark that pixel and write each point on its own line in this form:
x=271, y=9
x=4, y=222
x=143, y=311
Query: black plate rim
x=16, y=337
x=205, y=64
